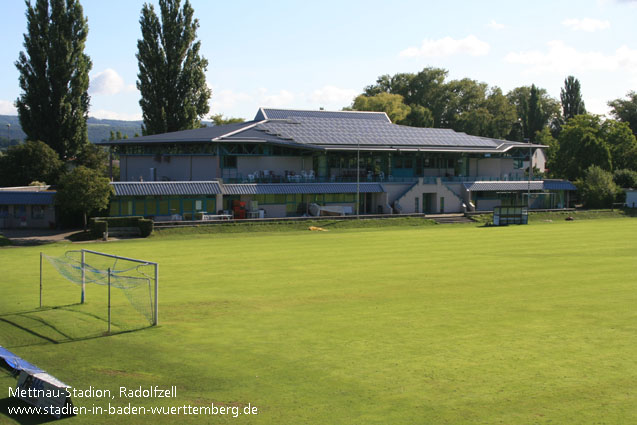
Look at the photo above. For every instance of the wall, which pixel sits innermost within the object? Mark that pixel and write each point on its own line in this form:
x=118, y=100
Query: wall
x=173, y=167
x=276, y=164
x=10, y=221
x=452, y=202
x=631, y=199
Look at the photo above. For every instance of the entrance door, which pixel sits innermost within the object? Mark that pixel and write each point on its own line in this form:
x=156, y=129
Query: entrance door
x=428, y=203
x=442, y=205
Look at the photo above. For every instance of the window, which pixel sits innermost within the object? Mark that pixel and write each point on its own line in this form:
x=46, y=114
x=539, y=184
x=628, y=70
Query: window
x=151, y=207
x=518, y=164
x=229, y=162
x=4, y=210
x=19, y=211
x=163, y=207
x=114, y=210
x=37, y=211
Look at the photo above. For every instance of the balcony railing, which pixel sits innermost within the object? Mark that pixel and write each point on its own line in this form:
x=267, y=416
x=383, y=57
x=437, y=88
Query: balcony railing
x=374, y=179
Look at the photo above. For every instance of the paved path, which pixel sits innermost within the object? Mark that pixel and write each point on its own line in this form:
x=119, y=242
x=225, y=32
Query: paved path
x=36, y=236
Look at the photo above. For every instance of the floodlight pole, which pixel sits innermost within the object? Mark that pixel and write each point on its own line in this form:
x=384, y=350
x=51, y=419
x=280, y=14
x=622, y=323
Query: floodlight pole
x=40, y=279
x=109, y=300
x=83, y=278
x=528, y=189
x=358, y=178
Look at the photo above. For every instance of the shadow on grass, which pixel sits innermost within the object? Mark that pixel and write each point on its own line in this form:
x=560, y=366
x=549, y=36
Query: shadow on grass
x=58, y=335
x=12, y=402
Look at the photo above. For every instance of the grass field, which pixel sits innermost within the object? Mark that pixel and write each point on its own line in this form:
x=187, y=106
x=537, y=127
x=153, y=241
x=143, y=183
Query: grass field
x=450, y=324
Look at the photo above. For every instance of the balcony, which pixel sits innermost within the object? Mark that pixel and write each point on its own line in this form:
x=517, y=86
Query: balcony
x=381, y=178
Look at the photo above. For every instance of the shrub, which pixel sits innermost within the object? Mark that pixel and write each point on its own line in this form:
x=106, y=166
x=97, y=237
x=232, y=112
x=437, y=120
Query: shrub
x=98, y=228
x=625, y=178
x=145, y=227
x=597, y=188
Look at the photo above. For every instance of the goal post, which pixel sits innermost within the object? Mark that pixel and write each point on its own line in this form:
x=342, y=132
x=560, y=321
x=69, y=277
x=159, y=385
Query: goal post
x=135, y=260
x=137, y=279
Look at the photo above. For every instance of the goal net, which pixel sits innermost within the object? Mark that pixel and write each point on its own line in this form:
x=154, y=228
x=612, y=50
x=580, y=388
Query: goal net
x=136, y=279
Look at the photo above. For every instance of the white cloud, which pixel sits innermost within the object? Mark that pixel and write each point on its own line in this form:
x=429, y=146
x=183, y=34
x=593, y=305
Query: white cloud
x=597, y=106
x=282, y=99
x=110, y=115
x=496, y=26
x=586, y=24
x=561, y=59
x=333, y=95
x=109, y=82
x=448, y=46
x=7, y=108
x=224, y=100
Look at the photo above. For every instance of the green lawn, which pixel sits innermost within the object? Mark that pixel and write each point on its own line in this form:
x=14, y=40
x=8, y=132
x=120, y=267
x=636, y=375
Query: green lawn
x=449, y=324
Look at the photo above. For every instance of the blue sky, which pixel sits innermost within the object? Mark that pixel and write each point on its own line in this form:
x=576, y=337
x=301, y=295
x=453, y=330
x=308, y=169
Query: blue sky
x=308, y=55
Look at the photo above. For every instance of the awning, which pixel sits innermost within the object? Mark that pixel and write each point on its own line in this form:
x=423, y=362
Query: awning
x=517, y=186
x=166, y=188
x=293, y=188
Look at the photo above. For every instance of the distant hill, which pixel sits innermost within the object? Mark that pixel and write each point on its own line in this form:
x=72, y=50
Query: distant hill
x=98, y=130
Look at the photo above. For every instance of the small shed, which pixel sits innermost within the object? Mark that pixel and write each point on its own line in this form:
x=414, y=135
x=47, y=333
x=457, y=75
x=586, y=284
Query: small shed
x=631, y=198
x=27, y=207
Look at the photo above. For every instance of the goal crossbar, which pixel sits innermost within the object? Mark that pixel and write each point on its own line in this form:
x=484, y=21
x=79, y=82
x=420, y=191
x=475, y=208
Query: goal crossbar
x=84, y=267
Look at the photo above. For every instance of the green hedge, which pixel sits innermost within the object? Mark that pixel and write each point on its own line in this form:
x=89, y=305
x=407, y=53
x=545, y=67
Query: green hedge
x=145, y=227
x=99, y=225
x=98, y=228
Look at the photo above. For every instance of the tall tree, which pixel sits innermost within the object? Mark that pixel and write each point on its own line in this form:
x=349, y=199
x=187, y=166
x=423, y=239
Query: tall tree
x=571, y=97
x=626, y=110
x=53, y=105
x=581, y=144
x=547, y=111
x=171, y=70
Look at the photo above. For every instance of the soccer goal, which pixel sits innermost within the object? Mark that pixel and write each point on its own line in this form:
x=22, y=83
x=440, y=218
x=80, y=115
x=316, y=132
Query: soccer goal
x=137, y=280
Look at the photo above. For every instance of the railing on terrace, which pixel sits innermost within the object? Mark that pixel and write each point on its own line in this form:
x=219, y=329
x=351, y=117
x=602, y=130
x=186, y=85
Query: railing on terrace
x=376, y=179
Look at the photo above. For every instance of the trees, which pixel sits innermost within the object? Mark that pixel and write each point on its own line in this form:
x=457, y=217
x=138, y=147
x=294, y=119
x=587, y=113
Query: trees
x=581, y=144
x=625, y=178
x=597, y=188
x=571, y=97
x=171, y=71
x=218, y=119
x=391, y=104
x=83, y=190
x=94, y=157
x=622, y=144
x=625, y=110
x=53, y=105
x=429, y=101
x=544, y=111
x=31, y=161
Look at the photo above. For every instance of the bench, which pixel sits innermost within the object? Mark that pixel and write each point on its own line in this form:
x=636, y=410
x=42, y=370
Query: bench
x=124, y=231
x=206, y=217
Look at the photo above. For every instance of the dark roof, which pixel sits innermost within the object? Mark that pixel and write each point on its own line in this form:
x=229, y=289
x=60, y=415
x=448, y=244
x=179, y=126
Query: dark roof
x=197, y=135
x=332, y=130
x=497, y=186
x=166, y=188
x=26, y=198
x=342, y=131
x=283, y=114
x=292, y=188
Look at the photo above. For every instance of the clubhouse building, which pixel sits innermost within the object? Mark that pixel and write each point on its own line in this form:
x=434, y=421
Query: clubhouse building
x=289, y=162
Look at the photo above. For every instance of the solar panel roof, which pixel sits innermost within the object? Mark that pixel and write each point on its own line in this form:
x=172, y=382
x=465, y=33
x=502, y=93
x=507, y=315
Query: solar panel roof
x=345, y=131
x=281, y=114
x=329, y=130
